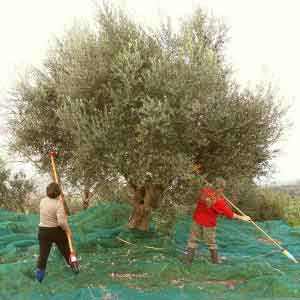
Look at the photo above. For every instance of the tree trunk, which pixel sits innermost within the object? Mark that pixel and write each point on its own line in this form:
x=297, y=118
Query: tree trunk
x=144, y=200
x=86, y=197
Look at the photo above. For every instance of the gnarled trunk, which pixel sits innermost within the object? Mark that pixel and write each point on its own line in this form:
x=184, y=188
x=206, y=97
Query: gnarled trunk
x=86, y=198
x=145, y=199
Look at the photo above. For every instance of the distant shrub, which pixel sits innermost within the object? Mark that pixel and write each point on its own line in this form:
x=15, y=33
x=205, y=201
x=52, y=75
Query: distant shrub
x=291, y=211
x=14, y=190
x=259, y=203
x=271, y=204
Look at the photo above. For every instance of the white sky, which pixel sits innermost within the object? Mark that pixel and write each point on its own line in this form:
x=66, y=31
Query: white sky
x=264, y=45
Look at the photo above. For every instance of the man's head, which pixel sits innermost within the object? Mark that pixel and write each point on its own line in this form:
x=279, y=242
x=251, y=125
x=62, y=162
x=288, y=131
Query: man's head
x=53, y=190
x=220, y=184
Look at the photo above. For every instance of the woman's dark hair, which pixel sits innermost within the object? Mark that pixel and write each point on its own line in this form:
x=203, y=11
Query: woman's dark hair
x=53, y=190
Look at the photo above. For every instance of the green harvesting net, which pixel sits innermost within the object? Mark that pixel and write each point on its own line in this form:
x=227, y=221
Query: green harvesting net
x=119, y=264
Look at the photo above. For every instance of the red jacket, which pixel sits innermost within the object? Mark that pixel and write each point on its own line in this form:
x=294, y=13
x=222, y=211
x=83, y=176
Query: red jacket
x=207, y=216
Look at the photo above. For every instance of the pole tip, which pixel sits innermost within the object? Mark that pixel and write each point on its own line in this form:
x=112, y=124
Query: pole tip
x=52, y=153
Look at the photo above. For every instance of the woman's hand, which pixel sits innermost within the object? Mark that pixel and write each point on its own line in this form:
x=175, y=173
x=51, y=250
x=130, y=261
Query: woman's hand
x=69, y=232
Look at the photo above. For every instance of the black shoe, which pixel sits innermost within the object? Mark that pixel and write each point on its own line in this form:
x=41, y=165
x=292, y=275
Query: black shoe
x=214, y=256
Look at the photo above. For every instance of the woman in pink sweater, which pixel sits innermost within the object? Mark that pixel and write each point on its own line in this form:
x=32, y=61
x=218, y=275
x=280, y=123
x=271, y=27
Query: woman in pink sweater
x=52, y=228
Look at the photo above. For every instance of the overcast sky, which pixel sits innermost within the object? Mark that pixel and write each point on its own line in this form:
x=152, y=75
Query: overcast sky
x=264, y=46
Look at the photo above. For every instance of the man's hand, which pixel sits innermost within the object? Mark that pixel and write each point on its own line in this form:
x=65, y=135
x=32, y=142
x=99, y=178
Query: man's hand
x=242, y=217
x=245, y=218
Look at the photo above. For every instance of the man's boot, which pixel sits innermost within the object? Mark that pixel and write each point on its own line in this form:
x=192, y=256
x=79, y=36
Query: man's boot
x=214, y=256
x=190, y=255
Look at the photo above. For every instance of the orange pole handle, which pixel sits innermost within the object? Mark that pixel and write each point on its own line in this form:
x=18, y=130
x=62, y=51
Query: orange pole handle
x=52, y=155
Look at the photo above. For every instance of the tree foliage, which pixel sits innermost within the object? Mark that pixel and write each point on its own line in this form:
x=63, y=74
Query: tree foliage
x=4, y=176
x=121, y=100
x=14, y=189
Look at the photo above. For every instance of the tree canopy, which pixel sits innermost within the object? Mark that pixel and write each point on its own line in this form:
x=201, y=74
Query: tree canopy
x=121, y=100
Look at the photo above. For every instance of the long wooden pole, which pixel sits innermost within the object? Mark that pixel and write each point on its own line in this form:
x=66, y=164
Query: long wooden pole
x=253, y=223
x=283, y=251
x=73, y=259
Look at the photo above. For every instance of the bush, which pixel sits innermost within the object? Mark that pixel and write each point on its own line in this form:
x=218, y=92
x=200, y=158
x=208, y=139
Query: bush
x=259, y=203
x=14, y=190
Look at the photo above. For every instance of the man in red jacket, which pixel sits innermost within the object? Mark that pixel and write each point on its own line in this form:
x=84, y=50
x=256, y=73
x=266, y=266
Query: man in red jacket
x=210, y=205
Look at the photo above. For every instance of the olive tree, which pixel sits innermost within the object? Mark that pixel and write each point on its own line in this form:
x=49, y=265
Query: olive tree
x=140, y=105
